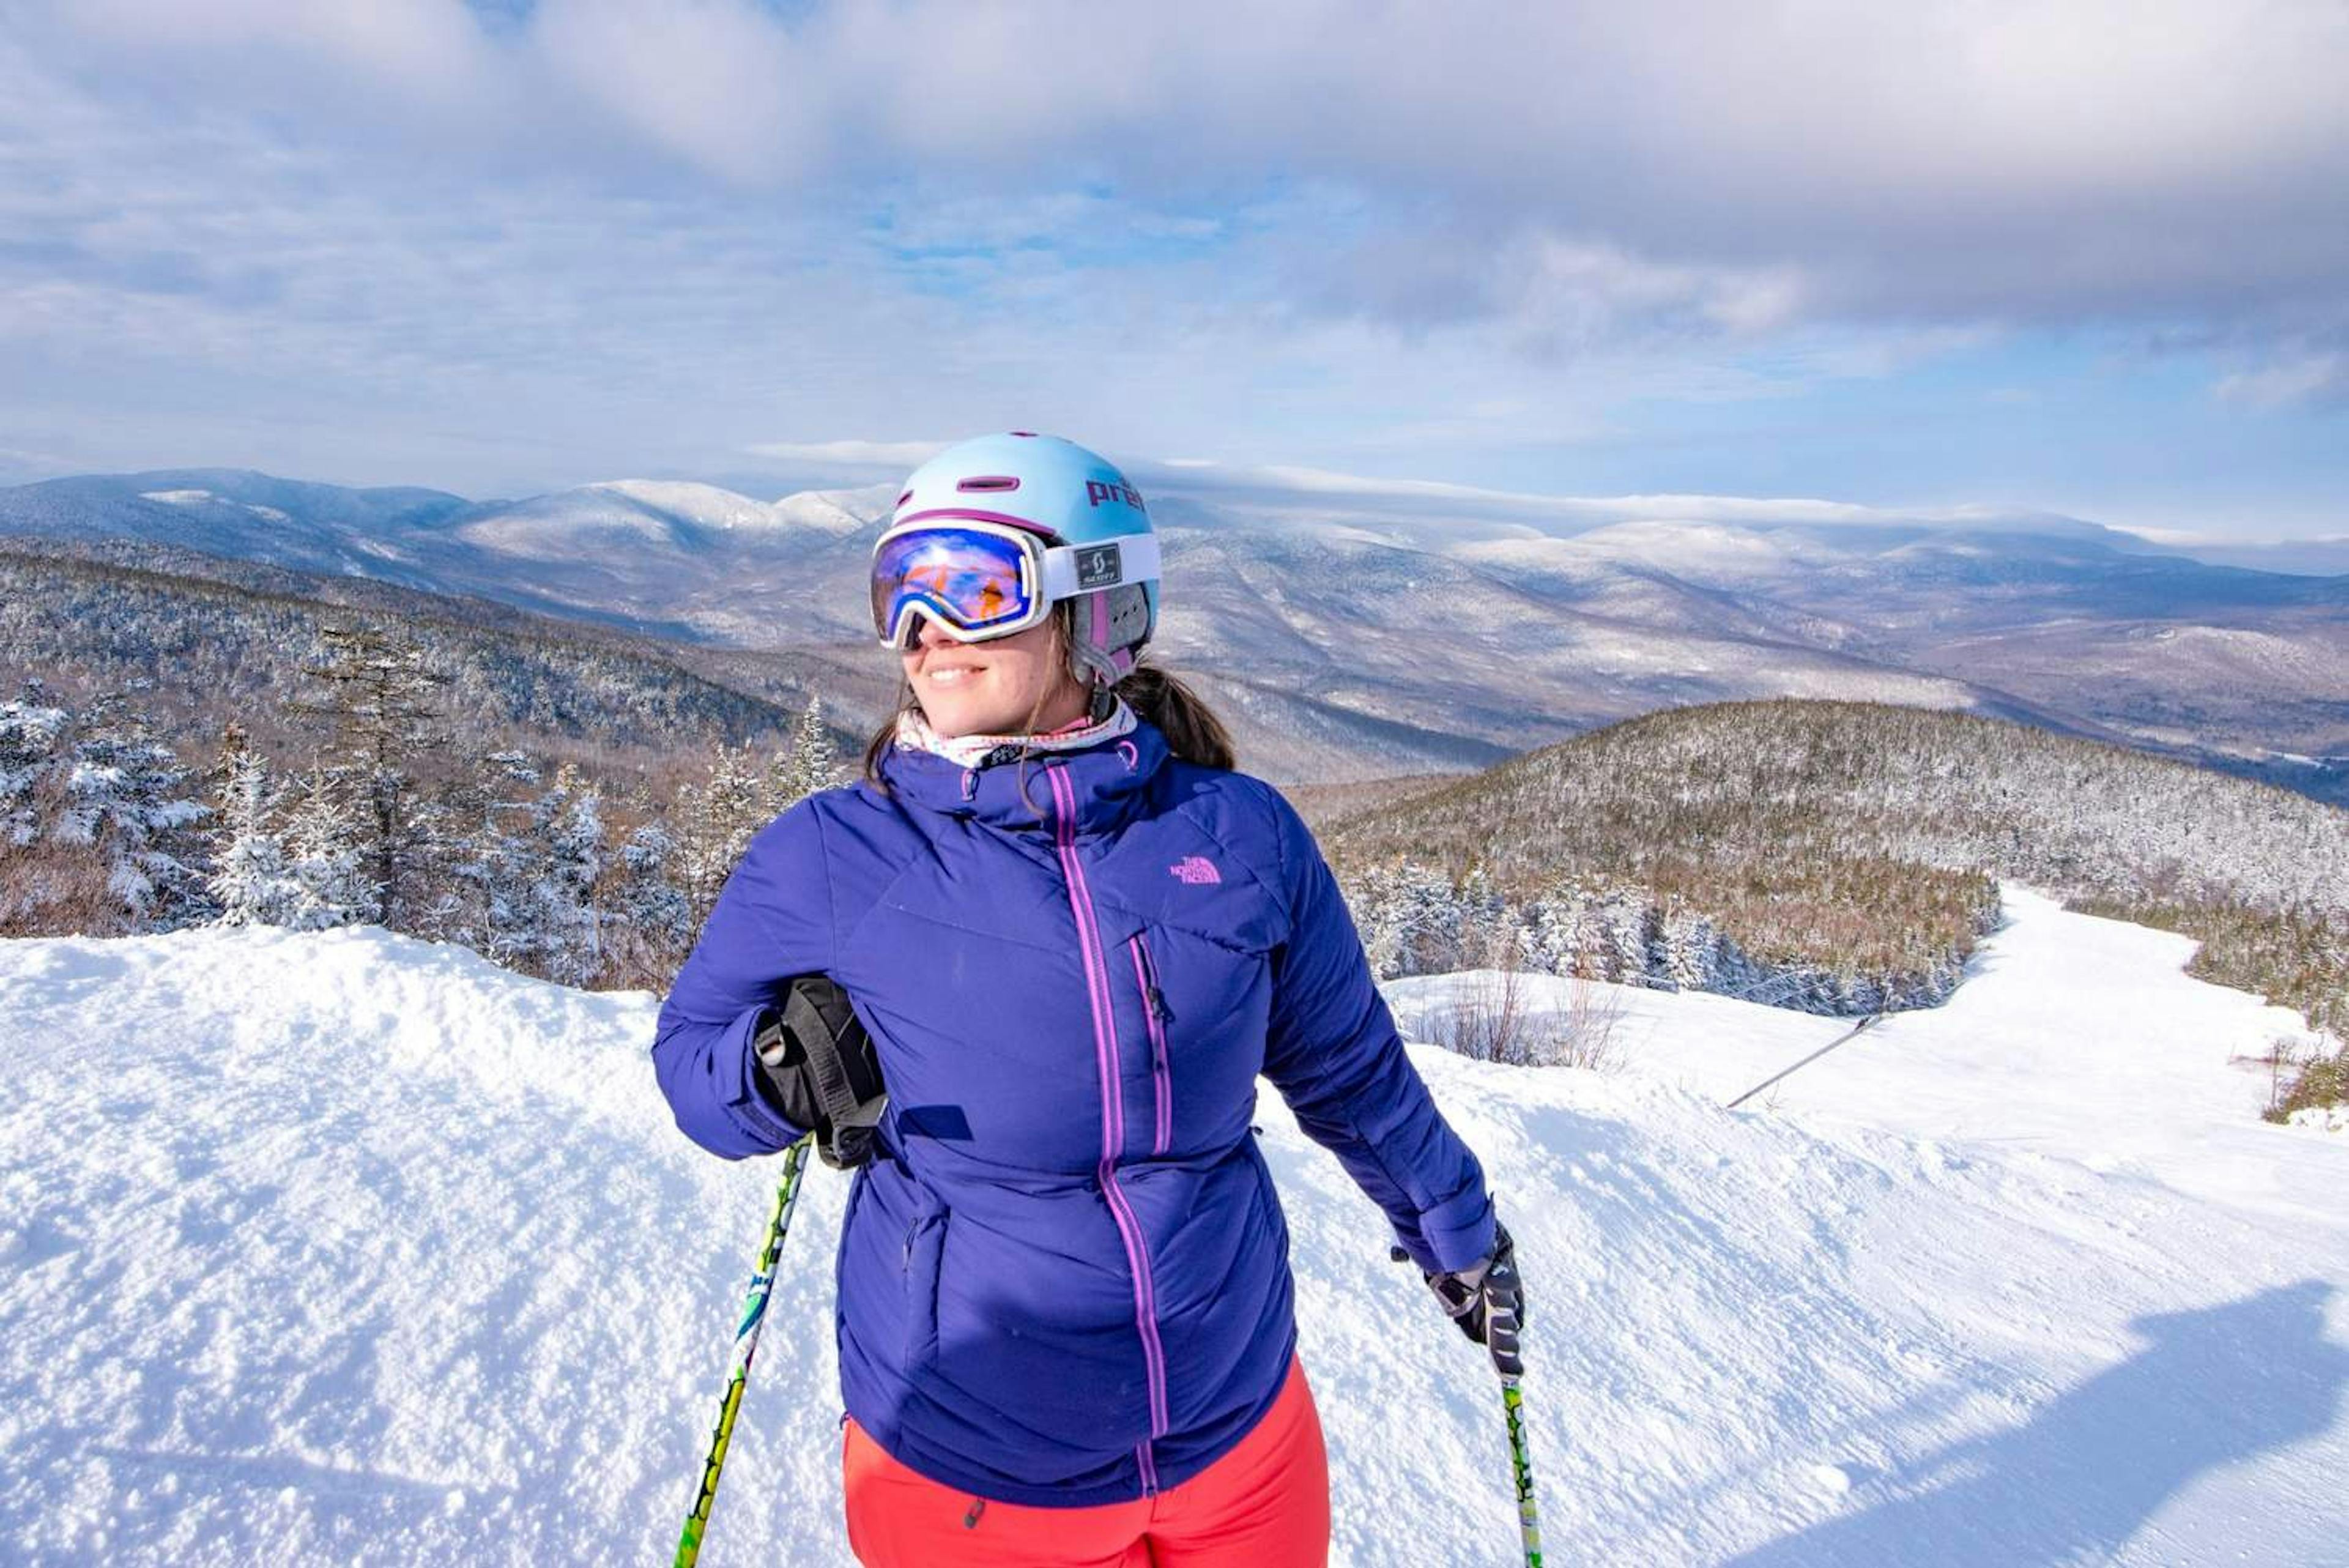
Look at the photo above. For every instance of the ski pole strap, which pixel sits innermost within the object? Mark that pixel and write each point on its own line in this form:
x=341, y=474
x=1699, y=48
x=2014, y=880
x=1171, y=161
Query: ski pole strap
x=840, y=1065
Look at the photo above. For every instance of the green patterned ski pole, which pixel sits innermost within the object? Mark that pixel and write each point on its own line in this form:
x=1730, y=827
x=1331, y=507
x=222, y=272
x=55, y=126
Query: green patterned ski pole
x=1528, y=1523
x=746, y=1346
x=1501, y=1338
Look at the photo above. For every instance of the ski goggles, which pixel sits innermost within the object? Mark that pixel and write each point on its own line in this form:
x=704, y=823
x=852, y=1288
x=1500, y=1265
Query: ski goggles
x=980, y=579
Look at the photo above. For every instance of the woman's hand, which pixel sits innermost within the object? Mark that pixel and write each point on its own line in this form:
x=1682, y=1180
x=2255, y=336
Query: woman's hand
x=820, y=1072
x=1488, y=1299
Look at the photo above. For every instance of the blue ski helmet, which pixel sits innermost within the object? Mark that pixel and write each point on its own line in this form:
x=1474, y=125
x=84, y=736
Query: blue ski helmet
x=1067, y=494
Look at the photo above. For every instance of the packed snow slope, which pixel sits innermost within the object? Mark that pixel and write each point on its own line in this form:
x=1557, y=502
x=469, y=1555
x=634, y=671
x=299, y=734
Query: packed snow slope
x=347, y=1248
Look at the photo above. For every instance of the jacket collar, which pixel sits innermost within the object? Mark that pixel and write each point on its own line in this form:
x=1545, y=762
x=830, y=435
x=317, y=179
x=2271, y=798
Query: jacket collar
x=1105, y=783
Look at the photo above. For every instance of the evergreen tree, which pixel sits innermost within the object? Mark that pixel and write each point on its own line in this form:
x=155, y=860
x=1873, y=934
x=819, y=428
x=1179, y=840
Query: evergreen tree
x=44, y=888
x=30, y=734
x=718, y=820
x=322, y=847
x=251, y=880
x=651, y=926
x=567, y=830
x=809, y=765
x=124, y=799
x=494, y=867
x=383, y=704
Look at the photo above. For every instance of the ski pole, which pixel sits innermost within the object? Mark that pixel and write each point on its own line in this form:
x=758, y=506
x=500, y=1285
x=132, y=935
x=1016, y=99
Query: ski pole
x=1529, y=1523
x=746, y=1346
x=1501, y=1339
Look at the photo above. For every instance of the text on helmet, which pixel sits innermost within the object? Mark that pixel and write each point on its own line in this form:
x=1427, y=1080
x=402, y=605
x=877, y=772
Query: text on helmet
x=1098, y=491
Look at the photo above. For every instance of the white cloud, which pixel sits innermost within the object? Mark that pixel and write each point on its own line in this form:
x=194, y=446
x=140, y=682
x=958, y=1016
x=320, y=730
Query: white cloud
x=2305, y=378
x=717, y=83
x=895, y=456
x=1737, y=166
x=412, y=243
x=1292, y=486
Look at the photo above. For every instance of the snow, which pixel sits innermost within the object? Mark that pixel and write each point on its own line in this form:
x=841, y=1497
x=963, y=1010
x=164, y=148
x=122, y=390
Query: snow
x=347, y=1248
x=206, y=498
x=707, y=505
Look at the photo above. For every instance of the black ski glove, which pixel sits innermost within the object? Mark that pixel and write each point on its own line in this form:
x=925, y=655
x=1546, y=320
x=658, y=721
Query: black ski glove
x=818, y=1070
x=1488, y=1299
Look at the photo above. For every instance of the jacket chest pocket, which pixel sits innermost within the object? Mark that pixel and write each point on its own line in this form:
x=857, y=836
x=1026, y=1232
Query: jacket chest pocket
x=1191, y=1014
x=1156, y=1017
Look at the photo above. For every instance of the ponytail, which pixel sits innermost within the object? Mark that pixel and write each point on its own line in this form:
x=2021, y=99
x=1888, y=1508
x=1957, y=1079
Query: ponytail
x=1192, y=731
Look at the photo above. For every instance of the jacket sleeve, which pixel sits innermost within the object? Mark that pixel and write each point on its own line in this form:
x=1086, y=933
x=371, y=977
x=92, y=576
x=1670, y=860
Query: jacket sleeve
x=1334, y=1054
x=772, y=923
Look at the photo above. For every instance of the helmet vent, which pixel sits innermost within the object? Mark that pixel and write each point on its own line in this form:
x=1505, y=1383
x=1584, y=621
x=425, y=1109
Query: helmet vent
x=986, y=482
x=903, y=499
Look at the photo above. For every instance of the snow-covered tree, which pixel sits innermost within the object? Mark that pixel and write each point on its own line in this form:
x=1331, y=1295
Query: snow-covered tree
x=251, y=881
x=384, y=703
x=650, y=926
x=30, y=734
x=125, y=797
x=493, y=866
x=529, y=869
x=567, y=841
x=716, y=821
x=809, y=765
x=322, y=849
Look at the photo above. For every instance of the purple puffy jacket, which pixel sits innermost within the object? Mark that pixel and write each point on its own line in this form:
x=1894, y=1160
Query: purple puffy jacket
x=1064, y=1278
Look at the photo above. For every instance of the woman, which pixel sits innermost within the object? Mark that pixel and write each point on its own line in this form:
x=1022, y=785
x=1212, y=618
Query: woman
x=1072, y=938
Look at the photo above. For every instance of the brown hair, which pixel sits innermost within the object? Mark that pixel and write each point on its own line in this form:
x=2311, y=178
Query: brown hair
x=1192, y=731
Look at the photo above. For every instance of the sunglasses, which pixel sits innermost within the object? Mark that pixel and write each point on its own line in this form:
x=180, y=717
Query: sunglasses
x=980, y=579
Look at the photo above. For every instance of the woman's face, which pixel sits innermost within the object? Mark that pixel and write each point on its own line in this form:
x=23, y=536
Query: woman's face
x=992, y=687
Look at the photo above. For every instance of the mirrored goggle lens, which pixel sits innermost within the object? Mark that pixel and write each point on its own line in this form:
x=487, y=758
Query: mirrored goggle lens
x=972, y=581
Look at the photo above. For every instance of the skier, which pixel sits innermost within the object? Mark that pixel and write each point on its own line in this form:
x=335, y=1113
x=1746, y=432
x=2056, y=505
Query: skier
x=1068, y=937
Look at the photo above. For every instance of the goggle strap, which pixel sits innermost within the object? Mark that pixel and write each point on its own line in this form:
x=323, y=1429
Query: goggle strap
x=1073, y=569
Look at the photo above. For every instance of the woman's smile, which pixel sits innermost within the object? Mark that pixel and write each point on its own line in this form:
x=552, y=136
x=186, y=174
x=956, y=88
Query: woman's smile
x=1007, y=685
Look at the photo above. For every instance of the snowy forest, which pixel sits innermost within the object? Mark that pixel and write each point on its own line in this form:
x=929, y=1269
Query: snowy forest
x=567, y=802
x=109, y=830
x=1840, y=858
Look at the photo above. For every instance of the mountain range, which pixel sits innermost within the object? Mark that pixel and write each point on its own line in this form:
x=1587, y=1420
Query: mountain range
x=1350, y=643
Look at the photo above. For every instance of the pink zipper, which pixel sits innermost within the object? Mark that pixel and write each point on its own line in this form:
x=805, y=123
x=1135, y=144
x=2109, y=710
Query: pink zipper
x=1154, y=1013
x=1137, y=1255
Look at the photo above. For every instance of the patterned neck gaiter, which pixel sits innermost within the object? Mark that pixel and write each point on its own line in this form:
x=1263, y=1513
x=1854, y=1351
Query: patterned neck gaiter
x=983, y=751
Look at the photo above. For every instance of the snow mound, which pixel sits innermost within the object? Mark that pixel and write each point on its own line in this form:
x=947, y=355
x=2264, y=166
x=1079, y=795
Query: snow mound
x=704, y=506
x=206, y=498
x=837, y=512
x=347, y=1248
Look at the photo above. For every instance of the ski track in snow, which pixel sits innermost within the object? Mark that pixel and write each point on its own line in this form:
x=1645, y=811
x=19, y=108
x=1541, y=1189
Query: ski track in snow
x=347, y=1248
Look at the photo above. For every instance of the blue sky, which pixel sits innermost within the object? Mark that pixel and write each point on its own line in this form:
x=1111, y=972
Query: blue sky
x=2091, y=258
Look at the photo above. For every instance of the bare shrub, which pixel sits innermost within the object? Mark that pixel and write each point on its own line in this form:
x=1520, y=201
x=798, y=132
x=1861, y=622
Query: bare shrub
x=1488, y=1019
x=1583, y=1034
x=58, y=890
x=1495, y=1019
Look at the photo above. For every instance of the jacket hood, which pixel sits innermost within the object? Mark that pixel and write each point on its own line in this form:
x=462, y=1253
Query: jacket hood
x=1106, y=782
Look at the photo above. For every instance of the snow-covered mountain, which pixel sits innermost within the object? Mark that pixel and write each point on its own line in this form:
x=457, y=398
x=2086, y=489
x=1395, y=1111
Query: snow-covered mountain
x=344, y=1247
x=1406, y=644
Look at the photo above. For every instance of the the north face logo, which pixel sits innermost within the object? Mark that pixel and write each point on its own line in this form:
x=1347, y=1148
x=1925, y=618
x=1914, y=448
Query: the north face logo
x=1195, y=869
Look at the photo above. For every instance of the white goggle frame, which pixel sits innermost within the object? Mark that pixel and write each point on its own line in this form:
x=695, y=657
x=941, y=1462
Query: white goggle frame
x=1059, y=571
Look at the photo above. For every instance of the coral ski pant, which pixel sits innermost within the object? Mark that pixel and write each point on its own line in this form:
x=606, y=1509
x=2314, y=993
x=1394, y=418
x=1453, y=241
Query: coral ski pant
x=1266, y=1505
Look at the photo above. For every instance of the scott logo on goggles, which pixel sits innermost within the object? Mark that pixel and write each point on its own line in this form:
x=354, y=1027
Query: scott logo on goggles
x=1098, y=491
x=1097, y=565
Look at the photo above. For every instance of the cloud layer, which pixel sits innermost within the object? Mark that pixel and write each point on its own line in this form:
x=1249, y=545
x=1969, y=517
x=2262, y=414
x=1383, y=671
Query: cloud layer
x=1451, y=230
